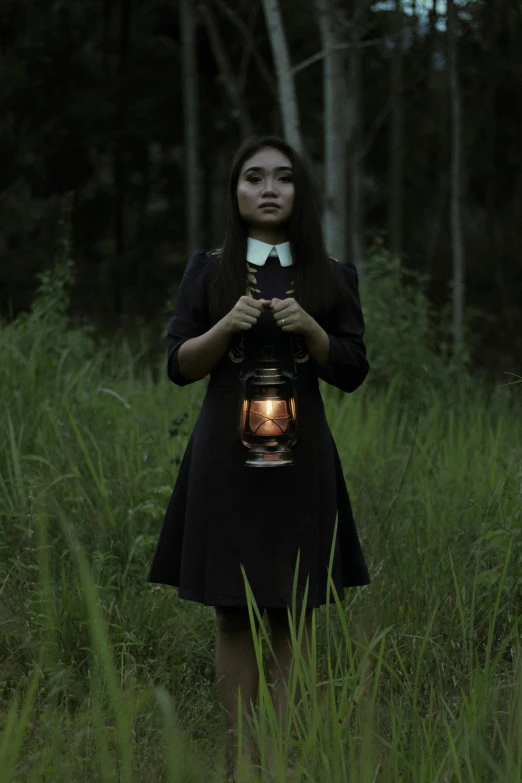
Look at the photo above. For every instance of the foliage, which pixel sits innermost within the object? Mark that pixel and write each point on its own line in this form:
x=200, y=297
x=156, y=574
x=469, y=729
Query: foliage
x=409, y=346
x=40, y=353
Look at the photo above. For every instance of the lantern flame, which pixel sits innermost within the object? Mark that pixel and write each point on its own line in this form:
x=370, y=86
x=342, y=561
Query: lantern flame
x=268, y=417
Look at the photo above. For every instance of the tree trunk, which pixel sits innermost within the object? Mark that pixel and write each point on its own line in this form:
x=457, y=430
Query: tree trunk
x=107, y=8
x=457, y=240
x=334, y=141
x=230, y=81
x=355, y=166
x=191, y=124
x=396, y=150
x=218, y=198
x=249, y=43
x=285, y=80
x=118, y=276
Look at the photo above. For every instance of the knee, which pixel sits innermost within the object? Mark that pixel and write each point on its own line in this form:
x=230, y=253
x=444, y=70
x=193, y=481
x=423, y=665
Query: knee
x=232, y=620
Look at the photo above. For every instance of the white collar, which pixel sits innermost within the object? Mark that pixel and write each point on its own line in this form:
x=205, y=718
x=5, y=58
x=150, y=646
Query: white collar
x=258, y=252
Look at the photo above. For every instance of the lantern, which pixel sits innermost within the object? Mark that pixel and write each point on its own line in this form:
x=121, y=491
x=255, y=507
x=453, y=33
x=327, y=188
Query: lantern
x=267, y=415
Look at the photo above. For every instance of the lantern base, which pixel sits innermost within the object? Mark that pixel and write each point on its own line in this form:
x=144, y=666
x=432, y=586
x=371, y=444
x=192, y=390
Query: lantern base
x=261, y=458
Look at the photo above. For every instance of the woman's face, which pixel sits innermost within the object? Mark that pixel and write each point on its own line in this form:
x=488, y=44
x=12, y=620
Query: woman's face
x=265, y=192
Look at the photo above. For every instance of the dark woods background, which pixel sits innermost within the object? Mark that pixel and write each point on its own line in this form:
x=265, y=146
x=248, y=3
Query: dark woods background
x=422, y=102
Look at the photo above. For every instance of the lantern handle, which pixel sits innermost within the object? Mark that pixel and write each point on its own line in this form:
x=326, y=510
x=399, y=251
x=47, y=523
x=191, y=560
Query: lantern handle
x=267, y=352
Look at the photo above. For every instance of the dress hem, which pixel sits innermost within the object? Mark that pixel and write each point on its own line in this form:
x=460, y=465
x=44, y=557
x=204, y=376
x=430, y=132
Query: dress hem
x=268, y=605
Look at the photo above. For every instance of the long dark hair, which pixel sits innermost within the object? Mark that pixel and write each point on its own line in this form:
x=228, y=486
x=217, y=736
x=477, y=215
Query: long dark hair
x=315, y=279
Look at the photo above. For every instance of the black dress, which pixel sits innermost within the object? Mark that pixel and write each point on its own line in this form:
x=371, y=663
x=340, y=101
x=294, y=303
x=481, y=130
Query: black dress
x=222, y=514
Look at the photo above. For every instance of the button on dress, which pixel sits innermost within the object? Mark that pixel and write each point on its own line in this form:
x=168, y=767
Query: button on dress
x=278, y=523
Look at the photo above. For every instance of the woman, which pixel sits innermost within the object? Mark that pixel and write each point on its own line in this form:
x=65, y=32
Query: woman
x=272, y=284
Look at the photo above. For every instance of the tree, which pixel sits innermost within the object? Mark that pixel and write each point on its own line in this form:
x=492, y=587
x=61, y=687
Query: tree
x=193, y=197
x=457, y=240
x=354, y=130
x=285, y=80
x=230, y=81
x=396, y=153
x=334, y=142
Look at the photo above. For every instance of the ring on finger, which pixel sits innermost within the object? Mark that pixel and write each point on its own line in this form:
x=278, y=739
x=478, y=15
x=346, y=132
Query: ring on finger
x=283, y=321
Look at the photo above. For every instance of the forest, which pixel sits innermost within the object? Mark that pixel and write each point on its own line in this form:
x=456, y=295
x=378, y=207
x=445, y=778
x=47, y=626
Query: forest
x=119, y=122
x=409, y=113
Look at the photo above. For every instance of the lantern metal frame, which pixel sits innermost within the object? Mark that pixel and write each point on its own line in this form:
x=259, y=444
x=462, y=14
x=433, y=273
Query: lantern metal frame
x=268, y=381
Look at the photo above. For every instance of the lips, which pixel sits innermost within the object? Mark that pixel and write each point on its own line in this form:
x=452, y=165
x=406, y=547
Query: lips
x=269, y=204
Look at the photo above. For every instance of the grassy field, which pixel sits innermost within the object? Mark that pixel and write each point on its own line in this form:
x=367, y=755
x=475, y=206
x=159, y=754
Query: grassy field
x=104, y=677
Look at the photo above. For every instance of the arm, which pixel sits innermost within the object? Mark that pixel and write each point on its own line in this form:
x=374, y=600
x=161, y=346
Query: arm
x=318, y=344
x=199, y=355
x=194, y=346
x=190, y=321
x=338, y=352
x=342, y=363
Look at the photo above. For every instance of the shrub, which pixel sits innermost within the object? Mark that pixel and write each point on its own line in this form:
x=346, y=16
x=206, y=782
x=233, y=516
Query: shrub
x=408, y=346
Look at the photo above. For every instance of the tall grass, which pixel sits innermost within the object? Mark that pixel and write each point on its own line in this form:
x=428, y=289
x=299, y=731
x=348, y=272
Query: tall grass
x=416, y=677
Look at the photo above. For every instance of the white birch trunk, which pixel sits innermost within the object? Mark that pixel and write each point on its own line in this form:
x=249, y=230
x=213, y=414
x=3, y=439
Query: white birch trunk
x=334, y=199
x=191, y=123
x=457, y=240
x=285, y=79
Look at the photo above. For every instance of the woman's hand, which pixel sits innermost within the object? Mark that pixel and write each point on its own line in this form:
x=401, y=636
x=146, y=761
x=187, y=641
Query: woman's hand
x=245, y=313
x=291, y=317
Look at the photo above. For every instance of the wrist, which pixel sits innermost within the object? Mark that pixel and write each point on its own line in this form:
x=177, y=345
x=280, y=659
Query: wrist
x=312, y=330
x=318, y=343
x=225, y=328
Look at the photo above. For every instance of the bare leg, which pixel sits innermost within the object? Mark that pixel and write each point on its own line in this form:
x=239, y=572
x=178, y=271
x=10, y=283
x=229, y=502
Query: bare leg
x=236, y=670
x=279, y=669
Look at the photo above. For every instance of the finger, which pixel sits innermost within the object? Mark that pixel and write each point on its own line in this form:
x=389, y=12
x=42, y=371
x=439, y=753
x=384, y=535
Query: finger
x=259, y=304
x=252, y=311
x=285, y=313
x=280, y=304
x=291, y=326
x=249, y=317
x=249, y=301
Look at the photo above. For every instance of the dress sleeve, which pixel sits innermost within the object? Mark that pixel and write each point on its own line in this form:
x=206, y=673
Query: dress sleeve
x=191, y=316
x=347, y=365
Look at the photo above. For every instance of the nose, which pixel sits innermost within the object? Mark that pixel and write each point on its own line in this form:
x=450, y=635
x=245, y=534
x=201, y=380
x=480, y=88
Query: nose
x=269, y=188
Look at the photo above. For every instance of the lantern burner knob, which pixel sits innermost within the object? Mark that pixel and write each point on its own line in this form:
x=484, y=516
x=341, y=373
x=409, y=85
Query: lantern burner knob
x=268, y=375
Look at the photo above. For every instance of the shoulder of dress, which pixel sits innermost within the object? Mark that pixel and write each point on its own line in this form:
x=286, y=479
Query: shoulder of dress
x=203, y=261
x=342, y=266
x=199, y=265
x=347, y=266
x=206, y=255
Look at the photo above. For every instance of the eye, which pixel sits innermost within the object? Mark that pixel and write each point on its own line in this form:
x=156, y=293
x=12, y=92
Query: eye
x=253, y=178
x=286, y=178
